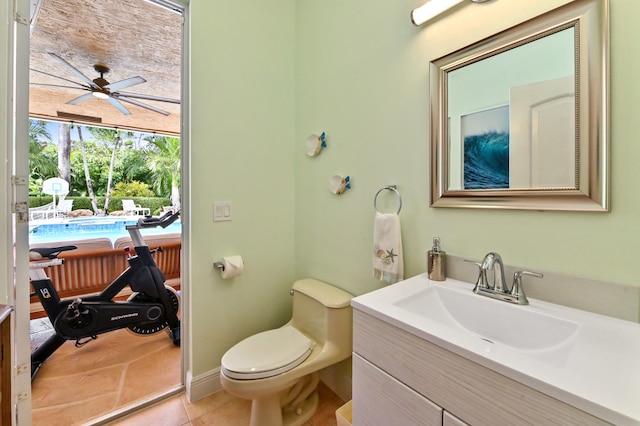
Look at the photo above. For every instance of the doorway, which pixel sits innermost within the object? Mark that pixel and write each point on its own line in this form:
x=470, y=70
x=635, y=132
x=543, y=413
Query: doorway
x=111, y=340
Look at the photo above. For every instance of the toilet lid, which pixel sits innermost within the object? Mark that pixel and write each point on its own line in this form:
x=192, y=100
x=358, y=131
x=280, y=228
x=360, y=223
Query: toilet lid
x=266, y=354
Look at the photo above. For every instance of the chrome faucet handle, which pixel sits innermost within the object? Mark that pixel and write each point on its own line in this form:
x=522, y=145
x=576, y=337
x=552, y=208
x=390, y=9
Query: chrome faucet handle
x=481, y=280
x=518, y=289
x=475, y=262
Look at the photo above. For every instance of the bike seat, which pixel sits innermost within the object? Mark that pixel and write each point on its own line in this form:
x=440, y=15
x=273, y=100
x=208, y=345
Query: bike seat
x=48, y=252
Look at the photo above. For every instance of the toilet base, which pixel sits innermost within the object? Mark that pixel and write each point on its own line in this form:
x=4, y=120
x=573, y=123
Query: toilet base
x=269, y=413
x=301, y=404
x=308, y=410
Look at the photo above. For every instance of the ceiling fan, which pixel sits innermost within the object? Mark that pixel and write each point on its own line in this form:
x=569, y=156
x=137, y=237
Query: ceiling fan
x=102, y=89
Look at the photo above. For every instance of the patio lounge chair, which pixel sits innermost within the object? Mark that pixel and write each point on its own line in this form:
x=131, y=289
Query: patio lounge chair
x=64, y=208
x=134, y=209
x=42, y=212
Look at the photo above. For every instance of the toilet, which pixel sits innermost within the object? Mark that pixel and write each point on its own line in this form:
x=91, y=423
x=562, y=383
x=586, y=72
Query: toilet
x=279, y=370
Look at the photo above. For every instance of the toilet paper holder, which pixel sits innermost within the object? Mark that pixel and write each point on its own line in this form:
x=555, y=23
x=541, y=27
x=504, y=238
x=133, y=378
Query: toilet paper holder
x=229, y=266
x=219, y=265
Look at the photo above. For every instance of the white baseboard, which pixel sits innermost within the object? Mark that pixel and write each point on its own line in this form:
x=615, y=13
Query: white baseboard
x=205, y=384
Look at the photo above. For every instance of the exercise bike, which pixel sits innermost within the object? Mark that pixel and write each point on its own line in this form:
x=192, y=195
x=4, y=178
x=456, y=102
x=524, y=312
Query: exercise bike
x=151, y=308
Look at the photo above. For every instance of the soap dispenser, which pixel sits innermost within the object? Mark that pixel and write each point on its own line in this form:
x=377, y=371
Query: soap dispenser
x=436, y=262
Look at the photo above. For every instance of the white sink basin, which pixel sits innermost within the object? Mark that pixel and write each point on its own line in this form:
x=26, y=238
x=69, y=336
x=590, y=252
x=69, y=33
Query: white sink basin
x=491, y=320
x=586, y=360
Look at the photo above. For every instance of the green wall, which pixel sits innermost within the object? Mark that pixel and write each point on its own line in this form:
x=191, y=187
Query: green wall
x=362, y=76
x=241, y=151
x=265, y=77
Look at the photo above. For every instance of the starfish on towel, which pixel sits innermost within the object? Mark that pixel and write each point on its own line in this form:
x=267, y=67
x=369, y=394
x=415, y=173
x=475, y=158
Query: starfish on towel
x=390, y=255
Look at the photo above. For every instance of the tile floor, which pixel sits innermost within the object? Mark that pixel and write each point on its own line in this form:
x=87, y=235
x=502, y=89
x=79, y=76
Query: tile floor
x=221, y=409
x=118, y=369
x=76, y=385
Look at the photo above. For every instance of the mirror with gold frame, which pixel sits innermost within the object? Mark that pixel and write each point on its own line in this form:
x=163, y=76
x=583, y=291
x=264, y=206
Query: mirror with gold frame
x=520, y=120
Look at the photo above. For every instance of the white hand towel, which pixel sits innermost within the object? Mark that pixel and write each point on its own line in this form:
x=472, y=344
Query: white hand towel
x=387, y=248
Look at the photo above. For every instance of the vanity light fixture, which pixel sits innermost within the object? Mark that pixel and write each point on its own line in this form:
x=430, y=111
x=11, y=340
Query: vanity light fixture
x=433, y=8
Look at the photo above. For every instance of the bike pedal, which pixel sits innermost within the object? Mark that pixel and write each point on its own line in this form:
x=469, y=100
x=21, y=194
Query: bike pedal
x=80, y=344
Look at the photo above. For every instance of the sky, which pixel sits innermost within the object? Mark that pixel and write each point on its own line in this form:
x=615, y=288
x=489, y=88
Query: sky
x=52, y=128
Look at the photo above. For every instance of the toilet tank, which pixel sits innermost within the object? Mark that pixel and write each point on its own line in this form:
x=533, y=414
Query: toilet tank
x=323, y=312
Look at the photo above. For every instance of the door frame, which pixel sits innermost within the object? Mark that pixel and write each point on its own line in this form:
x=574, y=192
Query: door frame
x=16, y=233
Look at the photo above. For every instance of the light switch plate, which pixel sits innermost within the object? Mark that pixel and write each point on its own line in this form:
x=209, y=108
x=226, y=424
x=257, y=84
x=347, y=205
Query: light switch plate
x=222, y=211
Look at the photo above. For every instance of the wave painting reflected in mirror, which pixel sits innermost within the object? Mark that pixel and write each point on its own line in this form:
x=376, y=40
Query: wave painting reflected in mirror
x=485, y=136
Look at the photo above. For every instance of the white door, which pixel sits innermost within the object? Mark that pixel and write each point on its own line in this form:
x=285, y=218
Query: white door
x=542, y=138
x=14, y=122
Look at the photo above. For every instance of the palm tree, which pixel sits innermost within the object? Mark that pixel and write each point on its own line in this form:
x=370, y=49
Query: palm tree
x=64, y=151
x=87, y=176
x=40, y=166
x=113, y=136
x=164, y=162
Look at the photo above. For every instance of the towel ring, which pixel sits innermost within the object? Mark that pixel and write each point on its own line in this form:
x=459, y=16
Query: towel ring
x=390, y=188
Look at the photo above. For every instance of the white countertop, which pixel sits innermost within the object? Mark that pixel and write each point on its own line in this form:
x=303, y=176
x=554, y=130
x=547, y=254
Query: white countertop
x=597, y=372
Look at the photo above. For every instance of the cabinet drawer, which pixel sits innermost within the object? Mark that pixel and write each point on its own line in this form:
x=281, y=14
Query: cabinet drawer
x=455, y=383
x=379, y=399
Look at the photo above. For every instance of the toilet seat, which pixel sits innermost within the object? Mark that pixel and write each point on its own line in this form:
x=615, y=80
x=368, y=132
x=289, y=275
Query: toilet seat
x=267, y=354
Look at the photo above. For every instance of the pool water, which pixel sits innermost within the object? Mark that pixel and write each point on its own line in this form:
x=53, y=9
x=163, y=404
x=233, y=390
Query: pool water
x=86, y=228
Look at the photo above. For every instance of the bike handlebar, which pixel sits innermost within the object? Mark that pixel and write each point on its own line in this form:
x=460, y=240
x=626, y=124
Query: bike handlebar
x=152, y=222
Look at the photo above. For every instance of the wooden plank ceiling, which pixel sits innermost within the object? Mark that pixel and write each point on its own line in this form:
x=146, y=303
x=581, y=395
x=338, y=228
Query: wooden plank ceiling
x=132, y=37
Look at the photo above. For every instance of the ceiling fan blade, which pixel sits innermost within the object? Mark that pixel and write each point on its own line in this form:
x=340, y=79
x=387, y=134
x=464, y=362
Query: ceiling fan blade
x=75, y=71
x=123, y=84
x=118, y=105
x=79, y=99
x=143, y=105
x=61, y=86
x=149, y=97
x=61, y=78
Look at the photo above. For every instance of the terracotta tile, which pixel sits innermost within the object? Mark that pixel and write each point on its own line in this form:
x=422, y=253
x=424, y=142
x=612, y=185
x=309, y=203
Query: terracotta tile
x=107, y=350
x=150, y=374
x=74, y=413
x=167, y=413
x=236, y=412
x=48, y=391
x=118, y=368
x=206, y=404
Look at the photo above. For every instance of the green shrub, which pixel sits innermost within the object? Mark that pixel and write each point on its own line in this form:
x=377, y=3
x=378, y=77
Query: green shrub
x=154, y=204
x=132, y=189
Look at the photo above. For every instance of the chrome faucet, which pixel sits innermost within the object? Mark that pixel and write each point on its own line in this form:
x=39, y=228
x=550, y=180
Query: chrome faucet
x=493, y=262
x=499, y=289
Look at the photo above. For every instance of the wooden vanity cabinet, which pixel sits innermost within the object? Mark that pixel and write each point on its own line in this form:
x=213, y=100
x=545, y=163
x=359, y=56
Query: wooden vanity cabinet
x=402, y=380
x=379, y=399
x=5, y=361
x=383, y=400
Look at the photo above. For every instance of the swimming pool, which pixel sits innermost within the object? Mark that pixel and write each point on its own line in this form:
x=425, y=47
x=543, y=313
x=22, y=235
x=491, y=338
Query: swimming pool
x=92, y=227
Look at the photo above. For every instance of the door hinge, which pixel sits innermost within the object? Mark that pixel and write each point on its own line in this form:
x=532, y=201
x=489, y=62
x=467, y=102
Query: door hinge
x=21, y=208
x=19, y=180
x=21, y=19
x=22, y=368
